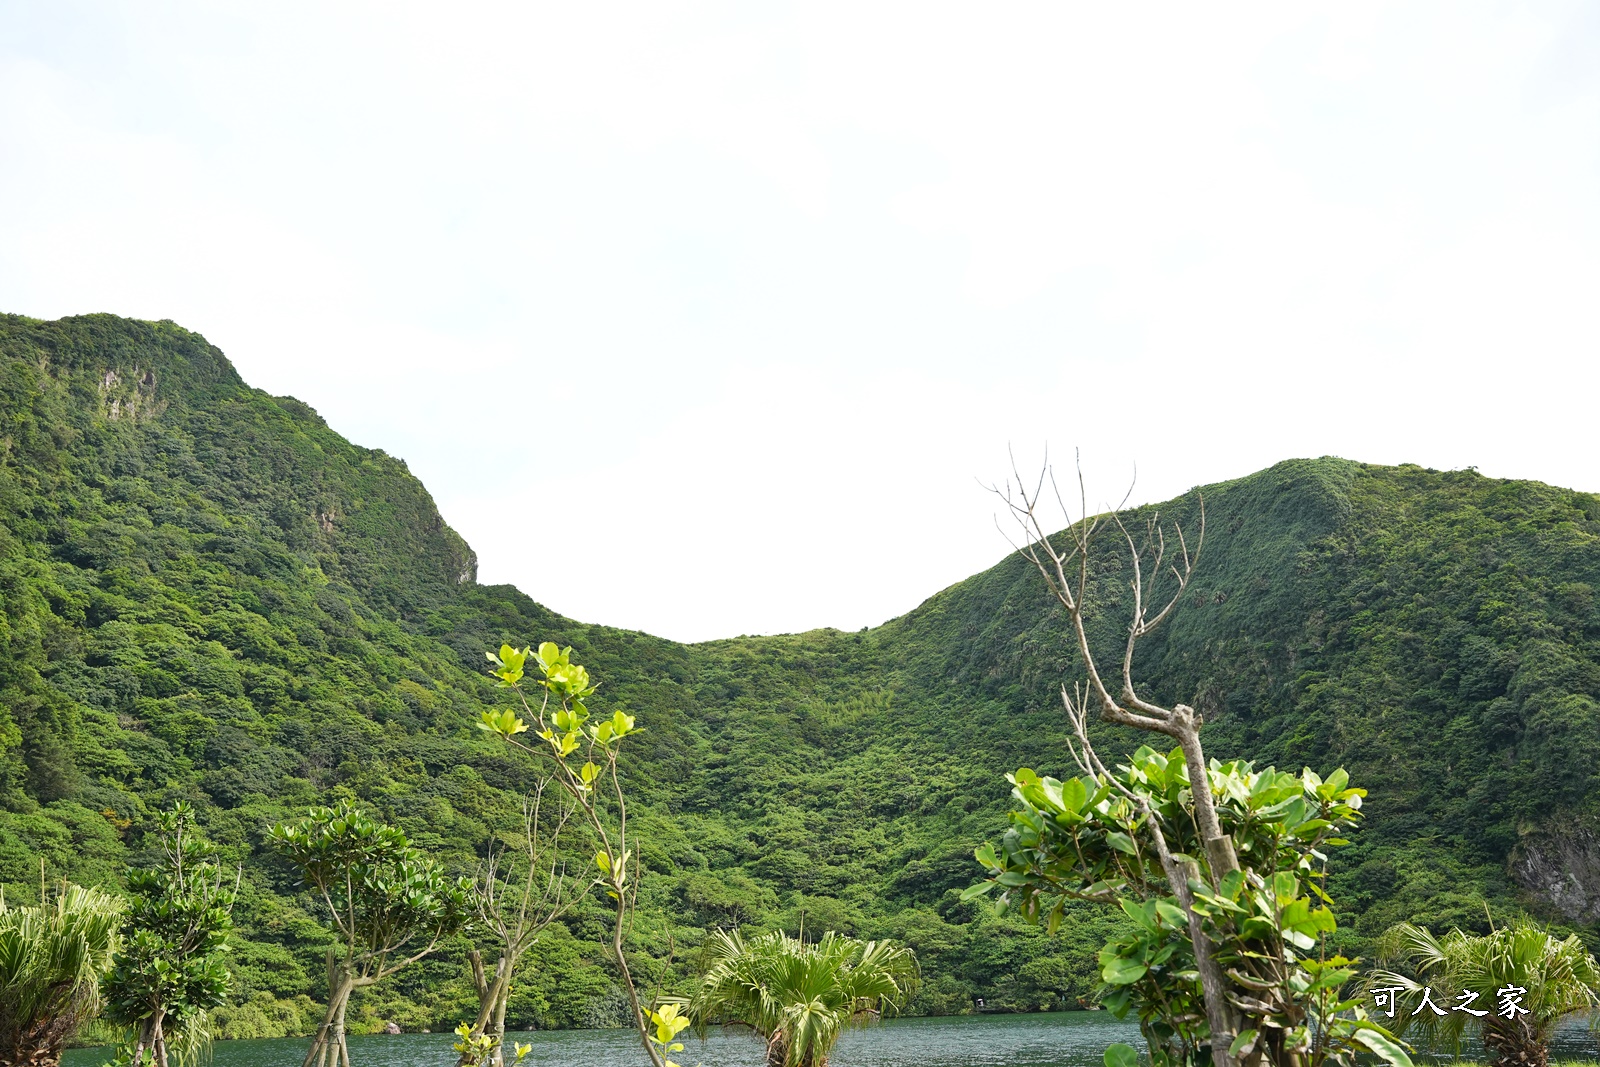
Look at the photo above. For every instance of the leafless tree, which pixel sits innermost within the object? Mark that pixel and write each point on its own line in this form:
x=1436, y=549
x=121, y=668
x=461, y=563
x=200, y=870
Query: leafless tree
x=518, y=903
x=1159, y=578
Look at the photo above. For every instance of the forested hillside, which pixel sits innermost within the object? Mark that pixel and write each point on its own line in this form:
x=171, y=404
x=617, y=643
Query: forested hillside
x=207, y=593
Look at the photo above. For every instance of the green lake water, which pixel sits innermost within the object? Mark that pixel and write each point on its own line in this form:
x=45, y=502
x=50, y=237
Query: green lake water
x=1064, y=1039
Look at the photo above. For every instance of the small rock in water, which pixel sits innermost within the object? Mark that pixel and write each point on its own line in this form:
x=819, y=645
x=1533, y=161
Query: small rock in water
x=391, y=1028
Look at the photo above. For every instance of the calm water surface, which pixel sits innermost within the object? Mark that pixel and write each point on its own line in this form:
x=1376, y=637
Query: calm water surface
x=1065, y=1039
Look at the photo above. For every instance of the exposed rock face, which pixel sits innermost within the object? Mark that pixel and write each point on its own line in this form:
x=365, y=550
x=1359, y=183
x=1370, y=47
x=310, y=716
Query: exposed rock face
x=1562, y=871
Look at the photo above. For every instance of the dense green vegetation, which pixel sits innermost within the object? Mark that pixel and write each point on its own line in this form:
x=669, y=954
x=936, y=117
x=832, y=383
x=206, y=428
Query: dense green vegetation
x=209, y=595
x=171, y=969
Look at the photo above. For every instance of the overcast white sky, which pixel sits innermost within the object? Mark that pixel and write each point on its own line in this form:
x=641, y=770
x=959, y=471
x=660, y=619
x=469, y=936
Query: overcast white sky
x=760, y=291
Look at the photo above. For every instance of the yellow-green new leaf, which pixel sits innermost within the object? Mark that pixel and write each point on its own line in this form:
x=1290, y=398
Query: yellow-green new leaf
x=503, y=722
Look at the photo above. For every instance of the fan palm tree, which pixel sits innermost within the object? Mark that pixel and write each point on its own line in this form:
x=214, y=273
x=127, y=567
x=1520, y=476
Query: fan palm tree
x=800, y=997
x=52, y=959
x=1546, y=979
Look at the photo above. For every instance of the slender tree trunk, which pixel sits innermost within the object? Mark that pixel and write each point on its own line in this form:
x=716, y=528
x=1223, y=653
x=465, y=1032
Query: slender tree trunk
x=481, y=986
x=501, y=996
x=493, y=993
x=328, y=1044
x=342, y=1045
x=627, y=981
x=1219, y=846
x=145, y=1042
x=1213, y=983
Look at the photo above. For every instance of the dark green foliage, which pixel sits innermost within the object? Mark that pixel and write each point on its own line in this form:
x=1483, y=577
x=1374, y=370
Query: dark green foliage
x=171, y=969
x=388, y=903
x=207, y=594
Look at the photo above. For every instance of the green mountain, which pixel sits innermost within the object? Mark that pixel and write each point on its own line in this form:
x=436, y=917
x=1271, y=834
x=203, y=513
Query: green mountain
x=209, y=594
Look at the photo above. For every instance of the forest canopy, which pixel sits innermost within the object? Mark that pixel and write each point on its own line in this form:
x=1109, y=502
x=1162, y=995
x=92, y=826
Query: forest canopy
x=208, y=595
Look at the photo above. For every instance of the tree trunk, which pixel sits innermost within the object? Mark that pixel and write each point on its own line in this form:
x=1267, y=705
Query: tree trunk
x=1514, y=1043
x=327, y=1047
x=341, y=1046
x=493, y=993
x=501, y=997
x=1219, y=846
x=777, y=1050
x=143, y=1043
x=1220, y=1016
x=639, y=1022
x=39, y=1044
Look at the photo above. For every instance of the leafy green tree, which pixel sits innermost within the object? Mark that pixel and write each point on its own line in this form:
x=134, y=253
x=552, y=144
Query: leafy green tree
x=561, y=721
x=1223, y=951
x=801, y=997
x=520, y=893
x=170, y=970
x=1090, y=838
x=53, y=958
x=389, y=904
x=1513, y=985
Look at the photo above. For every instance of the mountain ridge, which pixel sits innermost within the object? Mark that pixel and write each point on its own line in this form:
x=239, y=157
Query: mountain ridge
x=209, y=594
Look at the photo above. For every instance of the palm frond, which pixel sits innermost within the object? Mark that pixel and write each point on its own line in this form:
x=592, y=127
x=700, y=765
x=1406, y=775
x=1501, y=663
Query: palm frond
x=800, y=997
x=1560, y=978
x=52, y=959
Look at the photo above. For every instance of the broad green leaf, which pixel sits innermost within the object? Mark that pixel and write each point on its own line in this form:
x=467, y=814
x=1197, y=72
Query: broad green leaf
x=1120, y=1055
x=1122, y=971
x=1244, y=1043
x=1143, y=915
x=1384, y=1046
x=1121, y=842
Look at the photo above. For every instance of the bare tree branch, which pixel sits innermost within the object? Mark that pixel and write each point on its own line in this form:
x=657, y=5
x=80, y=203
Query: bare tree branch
x=1066, y=576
